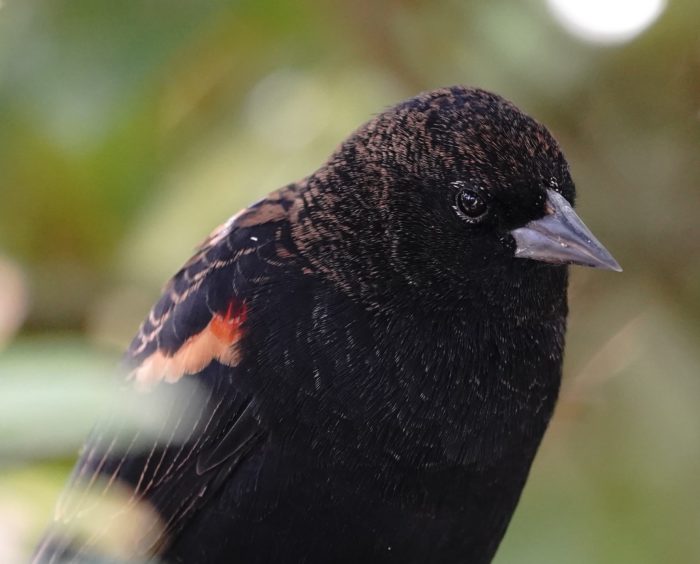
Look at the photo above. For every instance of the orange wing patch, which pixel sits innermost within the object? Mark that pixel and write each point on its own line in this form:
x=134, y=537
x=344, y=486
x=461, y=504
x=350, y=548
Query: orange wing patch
x=217, y=341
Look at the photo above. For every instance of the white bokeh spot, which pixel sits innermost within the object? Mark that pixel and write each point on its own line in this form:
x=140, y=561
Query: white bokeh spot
x=606, y=21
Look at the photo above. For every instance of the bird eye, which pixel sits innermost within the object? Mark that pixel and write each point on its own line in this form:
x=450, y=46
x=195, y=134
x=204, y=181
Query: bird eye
x=471, y=204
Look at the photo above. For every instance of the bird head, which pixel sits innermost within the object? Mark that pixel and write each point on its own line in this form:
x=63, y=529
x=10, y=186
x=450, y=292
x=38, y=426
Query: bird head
x=453, y=187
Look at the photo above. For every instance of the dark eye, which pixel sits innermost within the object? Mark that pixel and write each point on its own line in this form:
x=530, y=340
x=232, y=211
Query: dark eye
x=471, y=204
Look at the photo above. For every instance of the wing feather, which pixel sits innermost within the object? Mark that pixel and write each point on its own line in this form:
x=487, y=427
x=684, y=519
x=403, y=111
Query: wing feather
x=192, y=338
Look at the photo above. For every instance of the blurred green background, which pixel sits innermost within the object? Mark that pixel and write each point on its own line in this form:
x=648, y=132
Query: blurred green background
x=129, y=129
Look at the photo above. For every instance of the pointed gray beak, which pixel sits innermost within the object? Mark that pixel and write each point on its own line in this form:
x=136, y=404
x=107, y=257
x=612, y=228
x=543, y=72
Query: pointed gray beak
x=561, y=237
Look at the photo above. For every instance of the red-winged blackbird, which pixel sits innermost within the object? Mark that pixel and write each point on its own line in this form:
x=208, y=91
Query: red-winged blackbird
x=376, y=361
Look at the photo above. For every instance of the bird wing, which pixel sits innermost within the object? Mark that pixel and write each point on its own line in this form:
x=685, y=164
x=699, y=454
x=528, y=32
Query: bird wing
x=186, y=358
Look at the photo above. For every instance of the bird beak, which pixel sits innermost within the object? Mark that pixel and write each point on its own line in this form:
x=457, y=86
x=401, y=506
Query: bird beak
x=560, y=237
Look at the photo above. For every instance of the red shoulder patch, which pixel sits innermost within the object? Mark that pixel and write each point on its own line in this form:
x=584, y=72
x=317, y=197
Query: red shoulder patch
x=227, y=327
x=217, y=341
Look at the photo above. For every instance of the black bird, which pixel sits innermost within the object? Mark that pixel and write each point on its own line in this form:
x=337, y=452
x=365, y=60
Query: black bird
x=377, y=351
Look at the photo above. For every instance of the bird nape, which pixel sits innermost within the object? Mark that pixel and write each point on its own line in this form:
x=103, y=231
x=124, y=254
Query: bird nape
x=376, y=352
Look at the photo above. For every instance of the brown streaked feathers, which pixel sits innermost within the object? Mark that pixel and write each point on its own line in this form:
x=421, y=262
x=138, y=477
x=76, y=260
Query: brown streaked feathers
x=194, y=330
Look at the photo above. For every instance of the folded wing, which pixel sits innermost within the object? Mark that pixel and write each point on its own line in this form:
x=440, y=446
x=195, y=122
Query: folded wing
x=185, y=360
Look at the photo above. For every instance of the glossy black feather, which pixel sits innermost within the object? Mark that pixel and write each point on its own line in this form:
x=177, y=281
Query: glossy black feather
x=396, y=367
